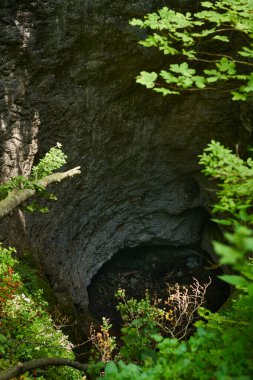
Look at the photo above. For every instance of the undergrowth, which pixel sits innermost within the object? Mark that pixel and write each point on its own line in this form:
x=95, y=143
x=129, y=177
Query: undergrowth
x=222, y=345
x=27, y=330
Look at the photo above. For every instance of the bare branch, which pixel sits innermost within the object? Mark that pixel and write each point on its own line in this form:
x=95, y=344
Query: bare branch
x=21, y=368
x=183, y=303
x=17, y=196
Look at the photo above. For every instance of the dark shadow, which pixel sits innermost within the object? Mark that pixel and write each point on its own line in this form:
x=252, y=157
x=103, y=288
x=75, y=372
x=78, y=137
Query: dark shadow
x=153, y=268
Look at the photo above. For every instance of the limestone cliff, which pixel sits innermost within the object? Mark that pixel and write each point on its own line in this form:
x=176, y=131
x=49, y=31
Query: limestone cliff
x=68, y=71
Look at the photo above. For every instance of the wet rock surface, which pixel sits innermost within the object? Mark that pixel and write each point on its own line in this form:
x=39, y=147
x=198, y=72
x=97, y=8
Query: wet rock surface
x=68, y=74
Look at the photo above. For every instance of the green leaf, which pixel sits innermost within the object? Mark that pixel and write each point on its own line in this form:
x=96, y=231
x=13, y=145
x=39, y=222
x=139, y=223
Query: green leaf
x=168, y=77
x=189, y=53
x=226, y=66
x=165, y=91
x=207, y=4
x=247, y=52
x=111, y=369
x=136, y=22
x=200, y=81
x=224, y=222
x=249, y=85
x=234, y=280
x=157, y=338
x=250, y=289
x=183, y=69
x=248, y=243
x=221, y=38
x=148, y=42
x=212, y=79
x=238, y=96
x=212, y=72
x=3, y=339
x=228, y=254
x=147, y=79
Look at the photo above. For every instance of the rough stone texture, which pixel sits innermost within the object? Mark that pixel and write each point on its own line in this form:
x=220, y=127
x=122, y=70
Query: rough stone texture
x=68, y=69
x=19, y=121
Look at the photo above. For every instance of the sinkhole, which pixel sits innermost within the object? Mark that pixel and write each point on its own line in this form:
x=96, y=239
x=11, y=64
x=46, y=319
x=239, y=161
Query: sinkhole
x=153, y=268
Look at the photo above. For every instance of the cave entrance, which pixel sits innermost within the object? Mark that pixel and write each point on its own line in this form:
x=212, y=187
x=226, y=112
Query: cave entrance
x=152, y=267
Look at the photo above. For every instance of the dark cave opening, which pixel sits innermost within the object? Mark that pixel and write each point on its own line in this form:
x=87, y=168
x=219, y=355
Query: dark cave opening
x=153, y=268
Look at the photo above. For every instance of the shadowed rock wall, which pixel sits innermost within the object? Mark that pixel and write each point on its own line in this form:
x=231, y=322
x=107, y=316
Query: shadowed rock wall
x=68, y=69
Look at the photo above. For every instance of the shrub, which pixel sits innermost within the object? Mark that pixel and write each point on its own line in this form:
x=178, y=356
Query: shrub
x=222, y=346
x=145, y=321
x=26, y=329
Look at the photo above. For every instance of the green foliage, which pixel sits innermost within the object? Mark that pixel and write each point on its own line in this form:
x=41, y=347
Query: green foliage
x=145, y=324
x=26, y=329
x=198, y=42
x=221, y=348
x=140, y=321
x=9, y=281
x=52, y=161
x=235, y=199
x=18, y=182
x=235, y=178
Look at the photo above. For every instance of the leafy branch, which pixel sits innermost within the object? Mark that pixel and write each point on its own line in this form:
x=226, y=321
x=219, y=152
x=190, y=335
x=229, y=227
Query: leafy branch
x=218, y=27
x=20, y=189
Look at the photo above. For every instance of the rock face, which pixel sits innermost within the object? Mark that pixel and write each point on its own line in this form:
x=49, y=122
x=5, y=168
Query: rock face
x=68, y=69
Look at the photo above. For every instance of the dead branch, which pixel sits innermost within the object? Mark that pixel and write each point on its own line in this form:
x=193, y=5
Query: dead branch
x=21, y=368
x=17, y=196
x=183, y=303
